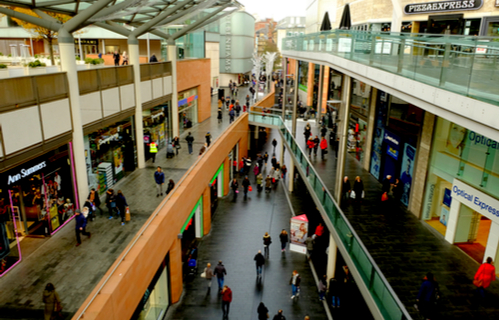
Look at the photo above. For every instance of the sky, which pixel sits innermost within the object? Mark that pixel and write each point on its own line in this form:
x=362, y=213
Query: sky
x=276, y=9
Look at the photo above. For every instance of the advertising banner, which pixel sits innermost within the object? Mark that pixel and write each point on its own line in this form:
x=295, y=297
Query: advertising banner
x=406, y=176
x=4, y=242
x=298, y=233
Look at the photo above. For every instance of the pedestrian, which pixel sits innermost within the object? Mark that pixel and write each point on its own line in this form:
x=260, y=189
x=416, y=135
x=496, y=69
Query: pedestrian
x=279, y=315
x=427, y=295
x=320, y=229
x=322, y=288
x=153, y=150
x=310, y=145
x=95, y=201
x=219, y=115
x=248, y=100
x=208, y=275
x=346, y=190
x=220, y=271
x=262, y=311
x=259, y=262
x=310, y=246
x=160, y=180
x=234, y=186
x=268, y=183
x=245, y=184
x=52, y=302
x=248, y=164
x=284, y=170
x=237, y=108
x=176, y=145
x=283, y=239
x=307, y=318
x=170, y=186
x=484, y=276
x=122, y=205
x=153, y=58
x=208, y=138
x=334, y=293
x=324, y=130
x=260, y=161
x=324, y=147
x=231, y=116
x=111, y=203
x=266, y=157
x=274, y=143
x=259, y=181
x=116, y=58
x=267, y=242
x=307, y=132
x=274, y=161
x=295, y=282
x=256, y=170
x=397, y=189
x=316, y=145
x=125, y=58
x=386, y=184
x=190, y=140
x=228, y=101
x=80, y=225
x=227, y=297
x=359, y=190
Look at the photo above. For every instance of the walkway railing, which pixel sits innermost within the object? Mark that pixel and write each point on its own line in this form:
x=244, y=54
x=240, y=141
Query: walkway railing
x=467, y=65
x=380, y=289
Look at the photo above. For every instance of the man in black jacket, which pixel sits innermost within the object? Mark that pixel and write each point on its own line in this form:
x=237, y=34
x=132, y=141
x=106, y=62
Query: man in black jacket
x=259, y=262
x=190, y=140
x=220, y=271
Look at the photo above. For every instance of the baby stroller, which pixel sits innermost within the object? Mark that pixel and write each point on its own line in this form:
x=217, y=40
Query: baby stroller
x=192, y=268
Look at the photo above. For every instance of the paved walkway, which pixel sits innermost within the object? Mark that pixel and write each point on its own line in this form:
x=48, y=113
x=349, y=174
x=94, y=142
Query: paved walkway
x=406, y=248
x=75, y=271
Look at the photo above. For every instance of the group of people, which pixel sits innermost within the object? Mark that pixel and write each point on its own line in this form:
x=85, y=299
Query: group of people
x=124, y=57
x=160, y=181
x=313, y=143
x=233, y=107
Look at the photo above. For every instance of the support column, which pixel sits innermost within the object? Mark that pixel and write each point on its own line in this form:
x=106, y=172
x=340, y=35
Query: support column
x=291, y=175
x=370, y=129
x=68, y=64
x=147, y=44
x=295, y=94
x=332, y=258
x=172, y=57
x=492, y=244
x=283, y=76
x=228, y=166
x=281, y=147
x=133, y=48
x=175, y=269
x=343, y=126
x=207, y=211
x=320, y=94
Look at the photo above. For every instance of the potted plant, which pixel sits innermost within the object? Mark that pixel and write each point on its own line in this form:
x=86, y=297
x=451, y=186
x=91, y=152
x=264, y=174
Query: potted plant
x=4, y=72
x=35, y=67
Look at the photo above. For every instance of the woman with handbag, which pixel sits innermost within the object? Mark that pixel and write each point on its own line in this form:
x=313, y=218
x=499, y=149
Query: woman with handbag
x=52, y=303
x=484, y=276
x=177, y=145
x=358, y=190
x=121, y=203
x=262, y=311
x=208, y=274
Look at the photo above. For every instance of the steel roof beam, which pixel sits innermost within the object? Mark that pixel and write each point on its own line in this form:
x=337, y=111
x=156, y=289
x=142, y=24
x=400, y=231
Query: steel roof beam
x=197, y=24
x=31, y=19
x=77, y=21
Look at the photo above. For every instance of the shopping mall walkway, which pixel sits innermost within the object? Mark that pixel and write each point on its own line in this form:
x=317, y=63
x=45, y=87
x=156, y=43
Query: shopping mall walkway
x=406, y=248
x=75, y=271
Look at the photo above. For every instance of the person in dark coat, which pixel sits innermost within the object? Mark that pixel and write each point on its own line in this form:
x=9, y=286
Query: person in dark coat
x=234, y=186
x=245, y=184
x=259, y=262
x=208, y=139
x=279, y=315
x=95, y=201
x=111, y=203
x=346, y=190
x=316, y=145
x=274, y=143
x=220, y=271
x=307, y=132
x=231, y=116
x=170, y=186
x=190, y=140
x=80, y=225
x=153, y=58
x=262, y=311
x=219, y=115
x=121, y=203
x=283, y=239
x=177, y=145
x=427, y=296
x=227, y=298
x=397, y=189
x=358, y=189
x=334, y=293
x=116, y=58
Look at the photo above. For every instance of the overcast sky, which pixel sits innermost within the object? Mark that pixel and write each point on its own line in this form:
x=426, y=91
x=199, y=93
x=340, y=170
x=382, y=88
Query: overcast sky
x=276, y=9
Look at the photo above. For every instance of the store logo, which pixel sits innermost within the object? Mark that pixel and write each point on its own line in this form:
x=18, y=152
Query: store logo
x=443, y=6
x=481, y=204
x=25, y=172
x=480, y=139
x=391, y=139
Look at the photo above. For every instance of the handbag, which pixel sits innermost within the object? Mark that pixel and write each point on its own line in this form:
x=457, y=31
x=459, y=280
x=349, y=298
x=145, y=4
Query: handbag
x=478, y=283
x=385, y=197
x=250, y=188
x=363, y=194
x=353, y=194
x=274, y=180
x=204, y=274
x=127, y=214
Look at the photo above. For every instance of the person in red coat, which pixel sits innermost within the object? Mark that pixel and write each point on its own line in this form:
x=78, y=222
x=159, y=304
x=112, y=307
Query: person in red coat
x=485, y=275
x=320, y=229
x=323, y=145
x=310, y=145
x=227, y=297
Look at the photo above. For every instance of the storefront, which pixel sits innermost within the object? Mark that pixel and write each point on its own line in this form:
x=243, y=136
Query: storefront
x=461, y=196
x=156, y=299
x=157, y=126
x=36, y=200
x=109, y=153
x=358, y=118
x=188, y=109
x=396, y=132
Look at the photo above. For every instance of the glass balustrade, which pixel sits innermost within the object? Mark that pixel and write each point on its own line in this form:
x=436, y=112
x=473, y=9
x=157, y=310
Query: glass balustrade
x=381, y=291
x=465, y=65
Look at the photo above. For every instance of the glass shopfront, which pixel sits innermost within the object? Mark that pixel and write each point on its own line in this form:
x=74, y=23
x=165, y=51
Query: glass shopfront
x=36, y=200
x=188, y=109
x=358, y=118
x=157, y=127
x=109, y=153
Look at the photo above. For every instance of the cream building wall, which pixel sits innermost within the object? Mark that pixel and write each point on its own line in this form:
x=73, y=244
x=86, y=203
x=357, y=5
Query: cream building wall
x=212, y=52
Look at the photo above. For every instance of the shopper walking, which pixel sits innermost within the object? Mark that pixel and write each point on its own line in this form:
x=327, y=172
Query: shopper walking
x=153, y=150
x=279, y=315
x=310, y=246
x=316, y=145
x=283, y=239
x=274, y=143
x=284, y=170
x=190, y=140
x=160, y=180
x=122, y=205
x=266, y=157
x=262, y=311
x=227, y=297
x=246, y=185
x=248, y=100
x=256, y=170
x=95, y=202
x=116, y=58
x=259, y=181
x=324, y=147
x=80, y=225
x=269, y=181
x=267, y=243
x=208, y=139
x=359, y=190
x=334, y=293
x=259, y=262
x=322, y=288
x=219, y=115
x=234, y=186
x=295, y=283
x=307, y=132
x=220, y=271
x=52, y=302
x=484, y=276
x=111, y=203
x=209, y=275
x=346, y=190
x=310, y=145
x=427, y=296
x=170, y=186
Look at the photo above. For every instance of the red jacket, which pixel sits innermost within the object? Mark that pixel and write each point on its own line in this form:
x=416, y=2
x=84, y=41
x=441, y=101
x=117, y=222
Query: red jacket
x=319, y=230
x=323, y=144
x=227, y=295
x=310, y=144
x=486, y=272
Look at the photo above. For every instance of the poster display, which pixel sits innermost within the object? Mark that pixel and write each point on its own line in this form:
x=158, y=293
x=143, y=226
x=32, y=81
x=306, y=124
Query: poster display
x=298, y=233
x=406, y=176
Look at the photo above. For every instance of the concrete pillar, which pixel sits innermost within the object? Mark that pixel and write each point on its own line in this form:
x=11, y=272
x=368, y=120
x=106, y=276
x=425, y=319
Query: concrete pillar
x=310, y=84
x=283, y=76
x=492, y=244
x=228, y=166
x=207, y=211
x=451, y=228
x=295, y=94
x=256, y=133
x=133, y=48
x=291, y=175
x=342, y=131
x=397, y=15
x=172, y=57
x=281, y=147
x=320, y=94
x=175, y=269
x=370, y=129
x=332, y=258
x=68, y=65
x=147, y=44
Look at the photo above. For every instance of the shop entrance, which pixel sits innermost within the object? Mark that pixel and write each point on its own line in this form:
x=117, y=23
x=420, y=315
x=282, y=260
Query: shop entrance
x=216, y=189
x=472, y=233
x=214, y=199
x=192, y=229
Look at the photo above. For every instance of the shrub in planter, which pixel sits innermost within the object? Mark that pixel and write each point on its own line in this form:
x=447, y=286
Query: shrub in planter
x=94, y=61
x=36, y=64
x=3, y=66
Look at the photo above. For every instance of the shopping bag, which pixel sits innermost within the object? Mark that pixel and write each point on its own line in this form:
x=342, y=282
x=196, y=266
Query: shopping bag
x=127, y=214
x=385, y=197
x=274, y=180
x=203, y=274
x=250, y=188
x=353, y=194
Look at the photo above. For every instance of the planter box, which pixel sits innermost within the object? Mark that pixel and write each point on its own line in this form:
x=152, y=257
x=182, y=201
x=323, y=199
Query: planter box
x=52, y=69
x=16, y=71
x=4, y=73
x=34, y=71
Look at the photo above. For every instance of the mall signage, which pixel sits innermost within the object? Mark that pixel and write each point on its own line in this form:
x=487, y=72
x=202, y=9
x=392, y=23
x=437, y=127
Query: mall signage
x=475, y=199
x=443, y=6
x=25, y=172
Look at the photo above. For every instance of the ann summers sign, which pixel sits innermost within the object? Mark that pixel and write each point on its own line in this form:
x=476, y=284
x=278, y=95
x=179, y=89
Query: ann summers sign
x=443, y=6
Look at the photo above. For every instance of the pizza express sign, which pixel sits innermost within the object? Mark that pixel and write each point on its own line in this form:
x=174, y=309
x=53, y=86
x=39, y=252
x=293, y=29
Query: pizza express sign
x=443, y=6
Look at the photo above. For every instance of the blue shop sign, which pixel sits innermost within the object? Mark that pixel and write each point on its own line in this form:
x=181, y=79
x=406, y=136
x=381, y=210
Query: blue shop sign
x=393, y=152
x=391, y=138
x=447, y=197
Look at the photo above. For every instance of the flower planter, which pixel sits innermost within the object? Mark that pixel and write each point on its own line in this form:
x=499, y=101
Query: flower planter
x=4, y=73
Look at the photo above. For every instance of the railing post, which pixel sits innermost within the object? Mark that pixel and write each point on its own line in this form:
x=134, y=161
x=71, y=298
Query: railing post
x=372, y=51
x=445, y=64
x=401, y=56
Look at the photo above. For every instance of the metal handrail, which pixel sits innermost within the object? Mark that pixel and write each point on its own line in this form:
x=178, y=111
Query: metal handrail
x=353, y=232
x=151, y=218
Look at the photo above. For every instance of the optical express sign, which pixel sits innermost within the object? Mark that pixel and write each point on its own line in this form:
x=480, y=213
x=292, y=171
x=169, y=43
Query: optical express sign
x=443, y=6
x=476, y=200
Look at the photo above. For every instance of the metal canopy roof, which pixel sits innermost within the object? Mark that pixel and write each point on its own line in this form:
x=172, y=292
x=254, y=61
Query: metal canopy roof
x=143, y=15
